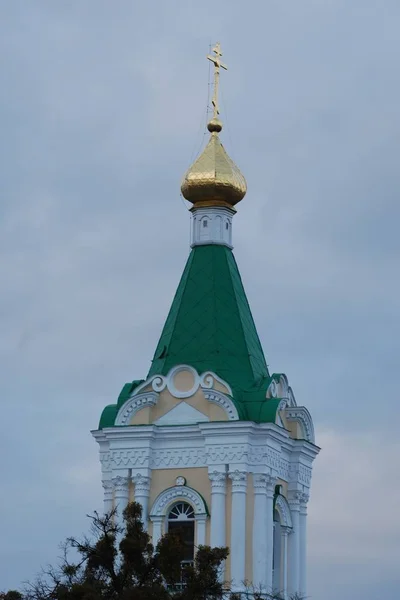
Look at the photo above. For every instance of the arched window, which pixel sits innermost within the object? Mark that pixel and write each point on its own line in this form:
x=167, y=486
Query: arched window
x=181, y=518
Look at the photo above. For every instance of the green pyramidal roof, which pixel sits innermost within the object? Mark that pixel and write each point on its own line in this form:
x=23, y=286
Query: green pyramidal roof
x=210, y=325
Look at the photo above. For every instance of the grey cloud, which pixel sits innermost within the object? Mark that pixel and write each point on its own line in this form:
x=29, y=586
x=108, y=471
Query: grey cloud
x=101, y=112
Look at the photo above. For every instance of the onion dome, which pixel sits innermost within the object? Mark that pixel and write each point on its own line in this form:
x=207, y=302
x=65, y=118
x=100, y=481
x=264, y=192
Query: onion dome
x=214, y=179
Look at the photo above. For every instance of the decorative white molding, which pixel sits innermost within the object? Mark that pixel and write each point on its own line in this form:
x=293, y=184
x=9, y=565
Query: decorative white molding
x=142, y=484
x=263, y=483
x=211, y=226
x=121, y=484
x=185, y=457
x=174, y=494
x=272, y=390
x=105, y=461
x=224, y=402
x=239, y=481
x=294, y=497
x=218, y=481
x=301, y=415
x=299, y=473
x=129, y=458
x=281, y=389
x=132, y=406
x=160, y=382
x=282, y=506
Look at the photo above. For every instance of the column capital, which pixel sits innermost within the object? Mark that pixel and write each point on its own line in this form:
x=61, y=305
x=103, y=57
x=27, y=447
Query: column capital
x=218, y=481
x=142, y=484
x=239, y=480
x=294, y=499
x=285, y=530
x=263, y=484
x=108, y=485
x=121, y=484
x=157, y=519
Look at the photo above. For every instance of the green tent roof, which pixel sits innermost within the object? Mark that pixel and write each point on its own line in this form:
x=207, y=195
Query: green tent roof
x=210, y=327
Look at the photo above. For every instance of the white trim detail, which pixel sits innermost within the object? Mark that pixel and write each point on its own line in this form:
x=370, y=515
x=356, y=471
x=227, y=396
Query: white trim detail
x=171, y=495
x=132, y=406
x=224, y=402
x=281, y=389
x=160, y=382
x=302, y=416
x=282, y=506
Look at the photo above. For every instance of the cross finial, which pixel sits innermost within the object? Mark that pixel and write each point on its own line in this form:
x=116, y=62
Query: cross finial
x=216, y=60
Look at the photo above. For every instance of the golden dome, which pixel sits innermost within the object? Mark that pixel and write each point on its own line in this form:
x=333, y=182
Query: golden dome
x=214, y=179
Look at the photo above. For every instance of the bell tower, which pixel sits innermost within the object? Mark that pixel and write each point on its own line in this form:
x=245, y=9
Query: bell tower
x=210, y=440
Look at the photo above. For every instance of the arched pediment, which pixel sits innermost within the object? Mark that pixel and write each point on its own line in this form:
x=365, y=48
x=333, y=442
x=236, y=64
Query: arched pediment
x=301, y=415
x=181, y=397
x=179, y=492
x=133, y=405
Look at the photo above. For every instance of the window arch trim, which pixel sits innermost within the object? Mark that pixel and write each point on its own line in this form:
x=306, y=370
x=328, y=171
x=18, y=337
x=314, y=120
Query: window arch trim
x=283, y=508
x=164, y=501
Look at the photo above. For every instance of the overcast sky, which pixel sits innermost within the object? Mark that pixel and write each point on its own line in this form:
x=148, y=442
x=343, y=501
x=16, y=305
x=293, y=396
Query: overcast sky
x=102, y=108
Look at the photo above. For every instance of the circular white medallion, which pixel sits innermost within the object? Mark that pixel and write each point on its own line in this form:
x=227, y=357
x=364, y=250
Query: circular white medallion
x=180, y=480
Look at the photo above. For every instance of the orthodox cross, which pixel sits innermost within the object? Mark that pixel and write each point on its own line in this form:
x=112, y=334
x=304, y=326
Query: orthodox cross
x=217, y=65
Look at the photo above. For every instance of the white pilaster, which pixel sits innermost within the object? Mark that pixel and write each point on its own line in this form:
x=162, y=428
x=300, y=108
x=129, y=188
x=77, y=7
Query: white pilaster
x=108, y=488
x=218, y=516
x=201, y=521
x=303, y=545
x=285, y=532
x=121, y=491
x=294, y=544
x=218, y=501
x=141, y=495
x=260, y=528
x=270, y=532
x=238, y=529
x=157, y=530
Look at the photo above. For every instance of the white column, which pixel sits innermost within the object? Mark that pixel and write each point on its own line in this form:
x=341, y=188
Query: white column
x=201, y=521
x=270, y=532
x=260, y=528
x=141, y=495
x=294, y=544
x=218, y=502
x=108, y=488
x=285, y=533
x=157, y=530
x=238, y=529
x=121, y=487
x=218, y=513
x=303, y=545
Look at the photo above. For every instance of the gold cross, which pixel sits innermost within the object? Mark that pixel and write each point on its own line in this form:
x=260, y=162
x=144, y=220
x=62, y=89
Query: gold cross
x=217, y=65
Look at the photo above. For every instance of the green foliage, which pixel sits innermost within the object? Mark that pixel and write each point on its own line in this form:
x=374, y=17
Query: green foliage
x=120, y=563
